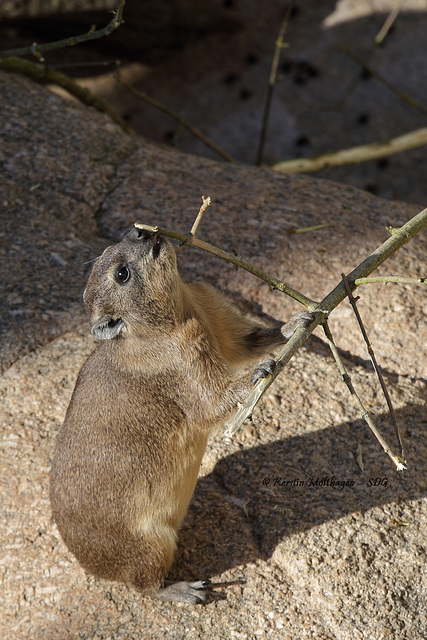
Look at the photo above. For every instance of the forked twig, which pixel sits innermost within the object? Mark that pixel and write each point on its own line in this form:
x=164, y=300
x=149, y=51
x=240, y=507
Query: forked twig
x=353, y=302
x=93, y=34
x=398, y=238
x=190, y=240
x=399, y=461
x=320, y=310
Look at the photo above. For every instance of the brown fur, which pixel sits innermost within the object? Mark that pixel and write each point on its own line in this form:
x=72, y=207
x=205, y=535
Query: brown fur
x=128, y=455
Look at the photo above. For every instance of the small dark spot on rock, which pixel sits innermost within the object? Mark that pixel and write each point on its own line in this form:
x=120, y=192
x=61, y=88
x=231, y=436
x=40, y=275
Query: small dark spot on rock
x=245, y=94
x=302, y=141
x=304, y=71
x=231, y=78
x=383, y=163
x=363, y=118
x=308, y=69
x=228, y=3
x=365, y=74
x=169, y=135
x=251, y=59
x=286, y=66
x=372, y=188
x=299, y=79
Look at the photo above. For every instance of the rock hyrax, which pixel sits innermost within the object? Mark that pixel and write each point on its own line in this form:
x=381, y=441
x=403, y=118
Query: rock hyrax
x=160, y=379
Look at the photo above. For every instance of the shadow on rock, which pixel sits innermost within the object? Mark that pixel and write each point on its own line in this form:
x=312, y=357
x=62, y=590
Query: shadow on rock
x=256, y=497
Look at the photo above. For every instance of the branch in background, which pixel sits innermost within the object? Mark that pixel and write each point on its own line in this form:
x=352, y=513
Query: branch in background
x=353, y=302
x=379, y=38
x=399, y=92
x=39, y=72
x=178, y=118
x=38, y=49
x=364, y=153
x=272, y=81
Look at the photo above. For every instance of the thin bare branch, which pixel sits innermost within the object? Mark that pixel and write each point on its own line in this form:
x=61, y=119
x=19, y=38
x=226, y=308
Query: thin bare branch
x=189, y=240
x=398, y=461
x=398, y=5
x=205, y=204
x=272, y=81
x=354, y=155
x=39, y=72
x=93, y=34
x=321, y=311
x=387, y=279
x=178, y=118
x=246, y=408
x=375, y=74
x=353, y=302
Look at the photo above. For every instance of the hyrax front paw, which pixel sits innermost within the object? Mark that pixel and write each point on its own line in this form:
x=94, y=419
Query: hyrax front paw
x=264, y=369
x=301, y=320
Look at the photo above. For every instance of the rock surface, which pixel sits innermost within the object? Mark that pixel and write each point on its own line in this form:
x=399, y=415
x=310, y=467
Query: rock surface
x=303, y=560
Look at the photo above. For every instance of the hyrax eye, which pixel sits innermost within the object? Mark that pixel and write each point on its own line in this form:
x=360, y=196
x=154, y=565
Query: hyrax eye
x=122, y=275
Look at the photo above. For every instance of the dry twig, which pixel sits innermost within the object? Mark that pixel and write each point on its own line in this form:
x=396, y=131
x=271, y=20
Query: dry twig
x=387, y=279
x=366, y=267
x=178, y=118
x=399, y=461
x=353, y=302
x=93, y=34
x=413, y=102
x=205, y=204
x=190, y=240
x=379, y=38
x=319, y=310
x=354, y=155
x=272, y=81
x=41, y=73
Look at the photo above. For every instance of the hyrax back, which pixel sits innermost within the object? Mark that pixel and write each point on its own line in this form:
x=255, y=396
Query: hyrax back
x=145, y=401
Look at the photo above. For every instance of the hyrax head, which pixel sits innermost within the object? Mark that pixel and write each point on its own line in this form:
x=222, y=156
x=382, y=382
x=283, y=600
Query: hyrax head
x=132, y=287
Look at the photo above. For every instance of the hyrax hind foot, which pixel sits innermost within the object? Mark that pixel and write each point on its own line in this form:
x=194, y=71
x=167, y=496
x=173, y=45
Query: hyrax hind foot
x=190, y=592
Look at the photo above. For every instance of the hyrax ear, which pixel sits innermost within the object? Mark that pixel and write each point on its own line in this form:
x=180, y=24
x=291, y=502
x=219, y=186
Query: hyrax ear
x=107, y=328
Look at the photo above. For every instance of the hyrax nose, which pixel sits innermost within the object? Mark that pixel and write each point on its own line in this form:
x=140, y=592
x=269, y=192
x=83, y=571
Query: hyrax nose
x=138, y=235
